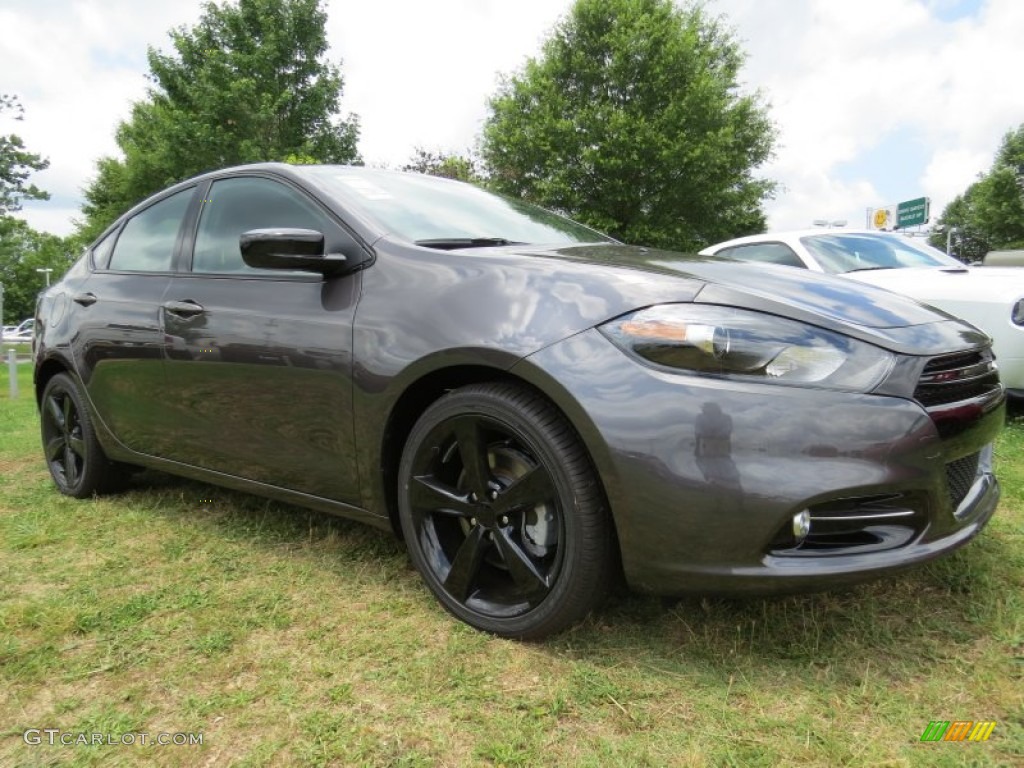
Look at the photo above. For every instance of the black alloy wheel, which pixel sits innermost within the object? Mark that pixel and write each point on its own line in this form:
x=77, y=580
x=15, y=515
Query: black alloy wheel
x=74, y=457
x=503, y=514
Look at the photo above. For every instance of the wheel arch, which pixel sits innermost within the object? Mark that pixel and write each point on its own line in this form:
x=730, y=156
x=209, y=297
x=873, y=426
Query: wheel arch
x=419, y=395
x=46, y=371
x=427, y=389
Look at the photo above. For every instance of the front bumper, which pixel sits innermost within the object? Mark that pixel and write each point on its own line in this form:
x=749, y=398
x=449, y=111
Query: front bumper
x=704, y=475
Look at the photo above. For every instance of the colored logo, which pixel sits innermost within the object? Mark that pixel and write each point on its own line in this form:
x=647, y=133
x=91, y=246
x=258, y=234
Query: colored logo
x=958, y=730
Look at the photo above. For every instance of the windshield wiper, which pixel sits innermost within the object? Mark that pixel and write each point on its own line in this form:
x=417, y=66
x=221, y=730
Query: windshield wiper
x=866, y=269
x=451, y=243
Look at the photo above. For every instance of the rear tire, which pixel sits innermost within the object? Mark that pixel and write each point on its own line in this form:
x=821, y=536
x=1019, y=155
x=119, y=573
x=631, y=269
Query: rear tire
x=76, y=461
x=503, y=514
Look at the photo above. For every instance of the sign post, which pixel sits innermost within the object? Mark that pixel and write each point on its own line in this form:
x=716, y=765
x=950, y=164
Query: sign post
x=909, y=213
x=913, y=213
x=12, y=372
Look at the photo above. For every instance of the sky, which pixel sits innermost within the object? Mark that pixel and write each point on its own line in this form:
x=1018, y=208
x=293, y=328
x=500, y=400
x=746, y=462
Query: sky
x=875, y=101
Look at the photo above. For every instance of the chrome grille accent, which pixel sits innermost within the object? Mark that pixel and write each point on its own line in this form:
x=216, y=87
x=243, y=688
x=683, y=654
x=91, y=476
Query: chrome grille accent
x=856, y=525
x=958, y=377
x=959, y=389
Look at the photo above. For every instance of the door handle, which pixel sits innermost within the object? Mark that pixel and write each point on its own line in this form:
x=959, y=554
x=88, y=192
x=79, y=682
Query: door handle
x=85, y=299
x=187, y=308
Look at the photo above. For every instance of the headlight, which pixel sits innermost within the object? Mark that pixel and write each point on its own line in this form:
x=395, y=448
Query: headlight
x=1018, y=312
x=745, y=345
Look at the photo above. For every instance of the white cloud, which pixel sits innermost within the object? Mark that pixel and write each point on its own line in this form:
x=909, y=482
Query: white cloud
x=951, y=171
x=844, y=77
x=844, y=81
x=419, y=74
x=77, y=67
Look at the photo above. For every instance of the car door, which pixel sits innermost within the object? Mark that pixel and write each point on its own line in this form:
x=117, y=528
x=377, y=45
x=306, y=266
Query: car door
x=259, y=362
x=119, y=341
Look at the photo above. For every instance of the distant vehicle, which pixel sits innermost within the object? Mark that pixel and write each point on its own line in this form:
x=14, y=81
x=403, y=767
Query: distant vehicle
x=991, y=298
x=1004, y=259
x=24, y=325
x=18, y=337
x=14, y=334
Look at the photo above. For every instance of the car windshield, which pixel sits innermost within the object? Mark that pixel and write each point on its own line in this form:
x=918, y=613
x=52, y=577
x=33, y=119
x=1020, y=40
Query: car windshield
x=441, y=213
x=849, y=252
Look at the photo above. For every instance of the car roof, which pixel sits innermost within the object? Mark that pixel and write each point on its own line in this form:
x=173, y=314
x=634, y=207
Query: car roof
x=281, y=170
x=795, y=234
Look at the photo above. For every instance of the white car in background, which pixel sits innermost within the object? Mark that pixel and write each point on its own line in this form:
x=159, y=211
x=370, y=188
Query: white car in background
x=19, y=337
x=19, y=333
x=991, y=298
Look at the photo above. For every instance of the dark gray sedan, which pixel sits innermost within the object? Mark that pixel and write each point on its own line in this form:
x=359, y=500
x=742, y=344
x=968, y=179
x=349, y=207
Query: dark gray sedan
x=534, y=407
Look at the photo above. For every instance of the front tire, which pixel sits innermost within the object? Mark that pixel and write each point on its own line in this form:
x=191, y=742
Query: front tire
x=76, y=461
x=502, y=512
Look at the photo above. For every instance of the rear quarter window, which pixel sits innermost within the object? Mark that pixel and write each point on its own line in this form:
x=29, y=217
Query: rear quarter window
x=764, y=253
x=148, y=240
x=102, y=251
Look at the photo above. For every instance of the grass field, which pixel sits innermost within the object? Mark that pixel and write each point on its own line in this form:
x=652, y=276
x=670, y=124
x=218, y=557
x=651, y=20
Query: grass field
x=290, y=638
x=20, y=348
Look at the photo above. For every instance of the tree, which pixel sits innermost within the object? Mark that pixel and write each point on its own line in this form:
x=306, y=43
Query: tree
x=23, y=251
x=631, y=121
x=17, y=164
x=248, y=83
x=965, y=240
x=447, y=165
x=108, y=196
x=990, y=213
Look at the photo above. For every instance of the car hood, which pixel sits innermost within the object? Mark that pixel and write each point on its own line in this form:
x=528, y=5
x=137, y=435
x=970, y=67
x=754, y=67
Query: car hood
x=990, y=285
x=862, y=311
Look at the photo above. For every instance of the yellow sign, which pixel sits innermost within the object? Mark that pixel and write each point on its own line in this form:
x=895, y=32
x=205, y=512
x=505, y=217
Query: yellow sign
x=881, y=218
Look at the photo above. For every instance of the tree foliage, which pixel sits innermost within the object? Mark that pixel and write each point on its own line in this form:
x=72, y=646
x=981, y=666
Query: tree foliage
x=248, y=83
x=631, y=121
x=17, y=164
x=22, y=251
x=447, y=165
x=989, y=215
x=965, y=240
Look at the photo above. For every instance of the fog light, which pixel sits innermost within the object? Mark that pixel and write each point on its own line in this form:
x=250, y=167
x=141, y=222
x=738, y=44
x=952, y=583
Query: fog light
x=801, y=525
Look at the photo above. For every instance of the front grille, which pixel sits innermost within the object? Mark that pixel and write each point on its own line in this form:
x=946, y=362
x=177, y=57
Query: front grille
x=958, y=377
x=960, y=476
x=959, y=389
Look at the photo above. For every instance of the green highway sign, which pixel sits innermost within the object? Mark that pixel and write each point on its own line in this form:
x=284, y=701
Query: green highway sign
x=913, y=213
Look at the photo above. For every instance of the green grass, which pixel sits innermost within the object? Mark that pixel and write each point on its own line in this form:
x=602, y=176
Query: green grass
x=21, y=349
x=290, y=638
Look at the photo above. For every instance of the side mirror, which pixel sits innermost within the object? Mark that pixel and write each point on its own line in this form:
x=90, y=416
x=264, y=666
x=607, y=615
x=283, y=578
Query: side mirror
x=301, y=249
